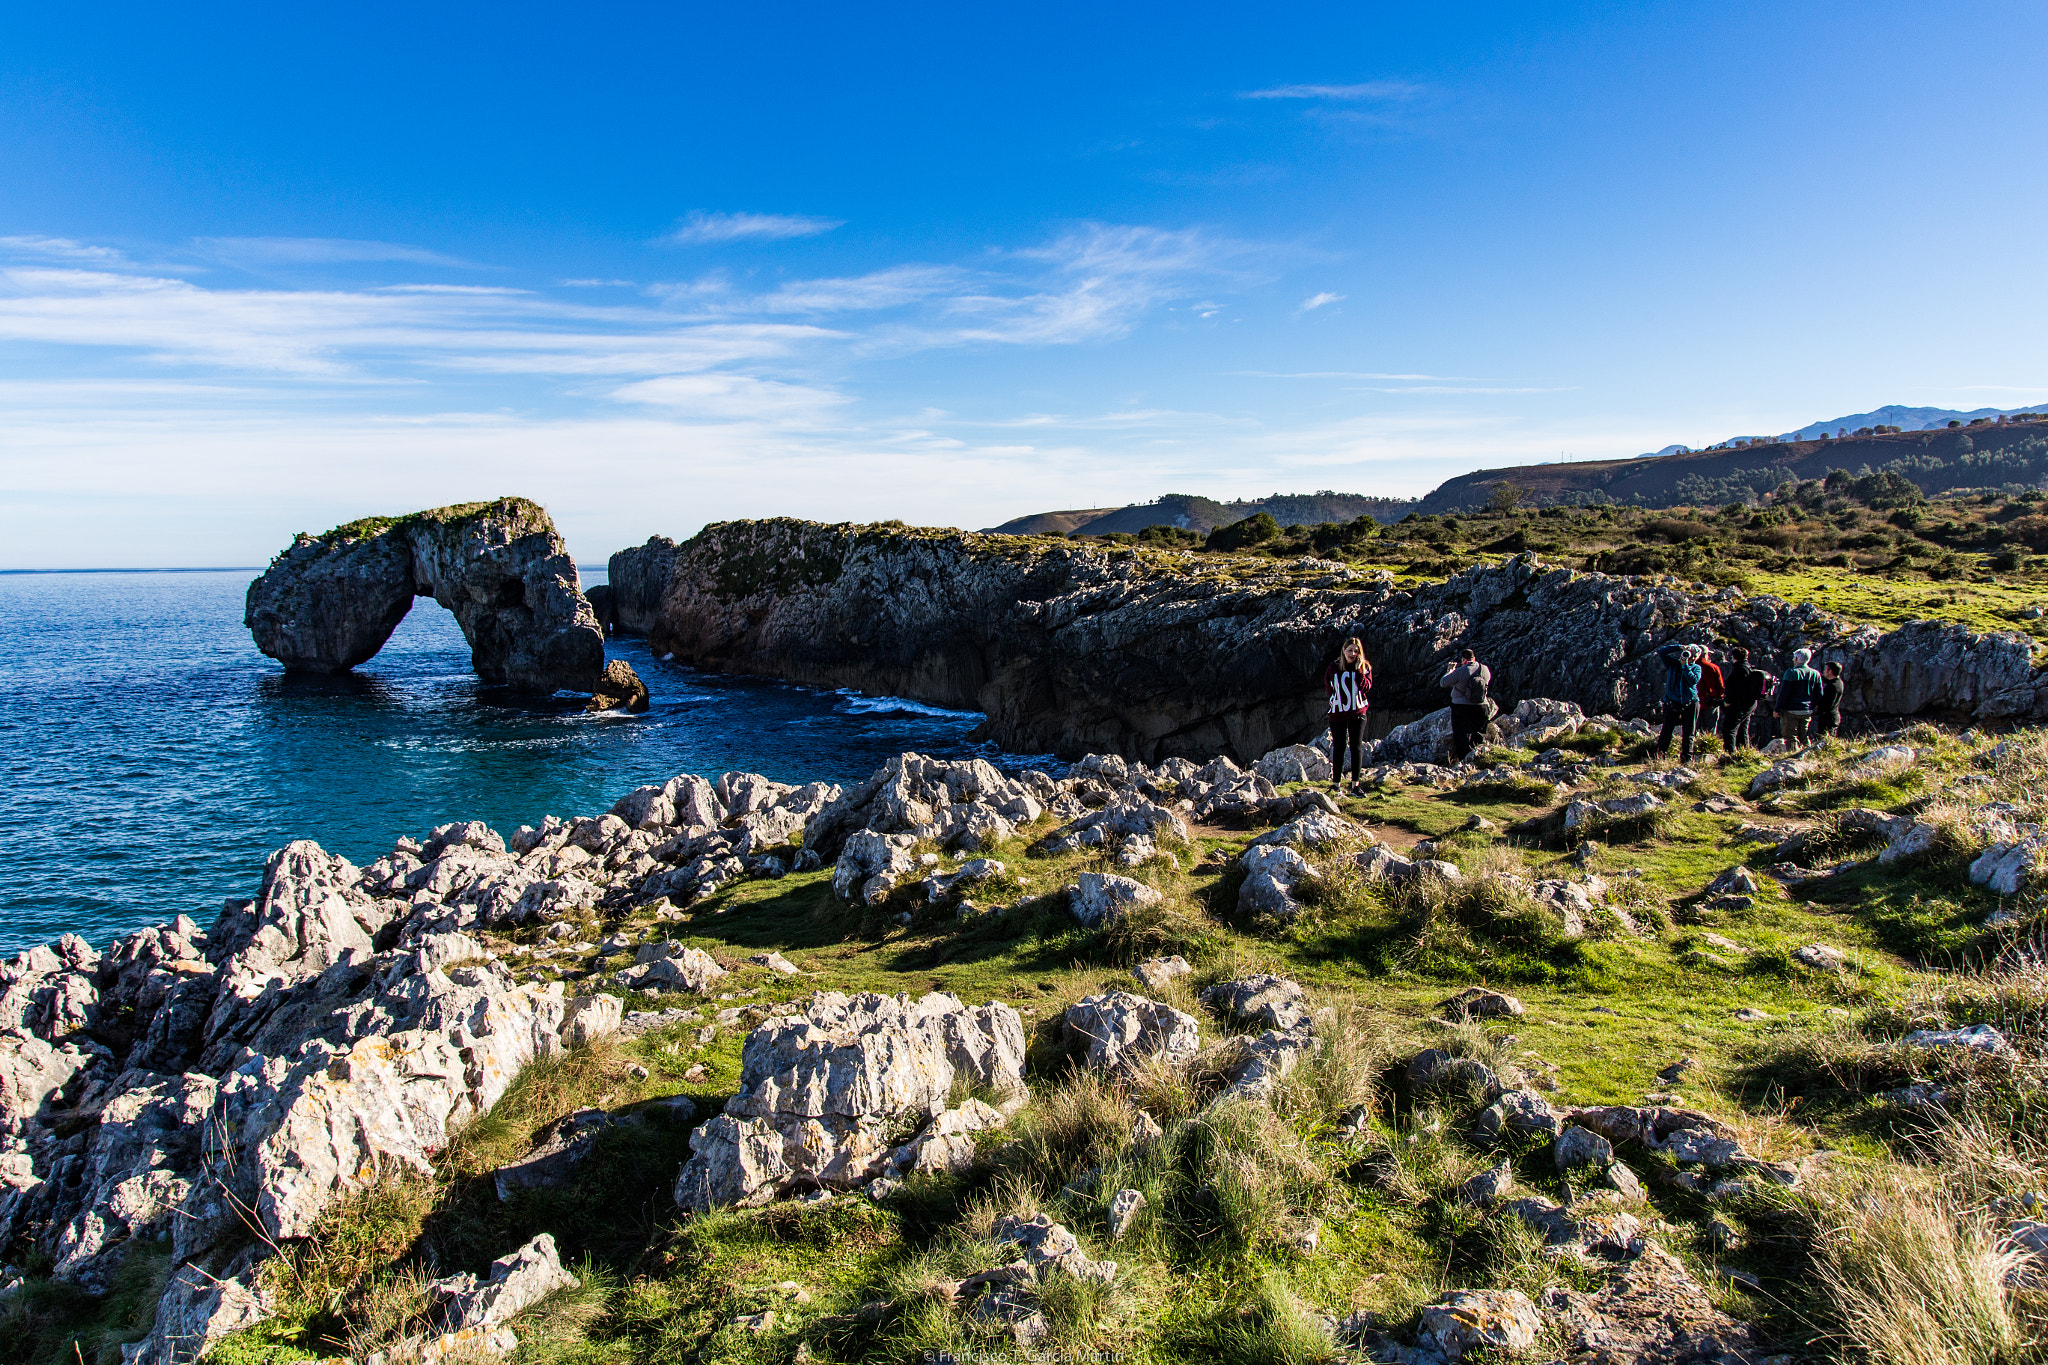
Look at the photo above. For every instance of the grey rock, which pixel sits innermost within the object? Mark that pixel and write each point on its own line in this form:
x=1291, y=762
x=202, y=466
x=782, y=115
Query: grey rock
x=1120, y=1029
x=1489, y=1185
x=1157, y=973
x=1477, y=1002
x=820, y=1090
x=556, y=1152
x=1502, y=1320
x=1576, y=1146
x=1123, y=1211
x=1520, y=1111
x=517, y=1282
x=1266, y=999
x=1047, y=1245
x=1102, y=898
x=1821, y=957
x=1272, y=872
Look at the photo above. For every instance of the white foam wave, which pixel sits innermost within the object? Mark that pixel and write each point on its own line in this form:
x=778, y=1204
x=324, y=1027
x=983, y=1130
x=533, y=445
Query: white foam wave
x=856, y=704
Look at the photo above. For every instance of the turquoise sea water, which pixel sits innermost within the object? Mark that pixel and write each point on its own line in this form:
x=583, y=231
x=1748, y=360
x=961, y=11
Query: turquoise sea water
x=150, y=757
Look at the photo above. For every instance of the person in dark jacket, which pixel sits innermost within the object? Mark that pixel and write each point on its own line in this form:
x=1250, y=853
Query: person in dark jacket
x=1347, y=681
x=1713, y=692
x=1468, y=680
x=1681, y=697
x=1798, y=695
x=1745, y=688
x=1827, y=717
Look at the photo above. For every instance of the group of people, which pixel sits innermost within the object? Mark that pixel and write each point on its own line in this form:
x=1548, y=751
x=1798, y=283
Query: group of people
x=1724, y=695
x=1348, y=684
x=1718, y=691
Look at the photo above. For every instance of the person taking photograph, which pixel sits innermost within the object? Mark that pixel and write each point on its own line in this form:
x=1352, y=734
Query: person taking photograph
x=1681, y=697
x=1468, y=680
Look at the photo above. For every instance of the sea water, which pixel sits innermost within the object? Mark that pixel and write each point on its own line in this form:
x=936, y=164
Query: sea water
x=151, y=757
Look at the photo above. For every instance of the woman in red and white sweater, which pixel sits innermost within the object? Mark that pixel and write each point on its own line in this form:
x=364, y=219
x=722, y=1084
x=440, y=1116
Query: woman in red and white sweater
x=1347, y=681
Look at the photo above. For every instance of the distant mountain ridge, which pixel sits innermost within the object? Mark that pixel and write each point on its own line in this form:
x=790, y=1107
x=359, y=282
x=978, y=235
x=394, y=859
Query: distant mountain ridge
x=1190, y=512
x=1992, y=456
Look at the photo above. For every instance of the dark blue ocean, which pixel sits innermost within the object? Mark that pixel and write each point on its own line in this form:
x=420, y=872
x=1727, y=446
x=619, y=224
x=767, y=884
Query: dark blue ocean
x=150, y=757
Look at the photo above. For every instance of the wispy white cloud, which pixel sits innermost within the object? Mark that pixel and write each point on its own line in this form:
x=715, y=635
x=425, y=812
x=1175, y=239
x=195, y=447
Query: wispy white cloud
x=355, y=334
x=1363, y=92
x=733, y=397
x=892, y=288
x=735, y=227
x=60, y=249
x=1322, y=300
x=316, y=251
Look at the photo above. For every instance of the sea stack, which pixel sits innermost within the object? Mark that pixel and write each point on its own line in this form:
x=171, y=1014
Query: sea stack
x=329, y=602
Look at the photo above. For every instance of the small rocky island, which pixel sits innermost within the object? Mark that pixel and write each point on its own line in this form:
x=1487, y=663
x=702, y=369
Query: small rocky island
x=329, y=602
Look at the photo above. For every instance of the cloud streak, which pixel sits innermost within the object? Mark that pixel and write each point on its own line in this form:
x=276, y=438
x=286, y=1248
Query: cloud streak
x=1363, y=92
x=708, y=228
x=318, y=251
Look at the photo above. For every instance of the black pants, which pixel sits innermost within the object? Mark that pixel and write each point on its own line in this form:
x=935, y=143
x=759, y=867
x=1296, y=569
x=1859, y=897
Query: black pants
x=1683, y=716
x=1346, y=730
x=1825, y=723
x=1735, y=726
x=1468, y=723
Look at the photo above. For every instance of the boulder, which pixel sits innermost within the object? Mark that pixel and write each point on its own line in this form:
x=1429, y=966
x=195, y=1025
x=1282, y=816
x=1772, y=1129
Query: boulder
x=1498, y=1320
x=1489, y=1185
x=1102, y=898
x=1427, y=740
x=618, y=688
x=1272, y=873
x=870, y=865
x=1736, y=881
x=944, y=886
x=1577, y=1146
x=1273, y=1001
x=1316, y=829
x=1157, y=973
x=1976, y=1038
x=1821, y=957
x=819, y=1092
x=1124, y=1208
x=1047, y=1246
x=671, y=966
x=1120, y=1030
x=1294, y=763
x=517, y=1282
x=328, y=603
x=1519, y=1111
x=2007, y=868
x=557, y=1150
x=1477, y=1002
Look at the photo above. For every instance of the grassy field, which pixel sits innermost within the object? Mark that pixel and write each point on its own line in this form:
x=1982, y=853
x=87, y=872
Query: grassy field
x=1263, y=1224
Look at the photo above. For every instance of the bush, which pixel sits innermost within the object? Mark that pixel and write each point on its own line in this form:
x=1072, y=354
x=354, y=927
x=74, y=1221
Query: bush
x=1256, y=529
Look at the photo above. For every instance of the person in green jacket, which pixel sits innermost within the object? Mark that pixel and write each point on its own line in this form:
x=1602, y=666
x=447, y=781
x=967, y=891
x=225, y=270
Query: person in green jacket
x=1798, y=695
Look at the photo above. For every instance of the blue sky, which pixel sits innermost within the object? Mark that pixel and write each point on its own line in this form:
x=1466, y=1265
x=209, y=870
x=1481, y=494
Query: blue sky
x=266, y=268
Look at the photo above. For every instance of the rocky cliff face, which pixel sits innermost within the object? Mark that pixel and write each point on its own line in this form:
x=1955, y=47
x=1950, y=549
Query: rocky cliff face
x=638, y=580
x=1073, y=648
x=328, y=603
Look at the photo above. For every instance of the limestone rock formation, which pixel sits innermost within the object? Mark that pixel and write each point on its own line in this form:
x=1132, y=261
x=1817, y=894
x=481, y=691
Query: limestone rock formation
x=819, y=1092
x=1072, y=648
x=328, y=603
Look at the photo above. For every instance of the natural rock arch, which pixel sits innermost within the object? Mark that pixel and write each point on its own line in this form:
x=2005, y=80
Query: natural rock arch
x=330, y=602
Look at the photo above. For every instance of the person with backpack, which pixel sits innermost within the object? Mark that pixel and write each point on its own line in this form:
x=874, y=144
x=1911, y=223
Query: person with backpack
x=1347, y=681
x=1827, y=717
x=1798, y=694
x=1468, y=680
x=1681, y=697
x=1745, y=688
x=1713, y=692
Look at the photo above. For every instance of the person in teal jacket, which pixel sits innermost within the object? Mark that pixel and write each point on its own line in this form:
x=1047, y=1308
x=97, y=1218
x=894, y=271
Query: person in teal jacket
x=1681, y=697
x=1798, y=695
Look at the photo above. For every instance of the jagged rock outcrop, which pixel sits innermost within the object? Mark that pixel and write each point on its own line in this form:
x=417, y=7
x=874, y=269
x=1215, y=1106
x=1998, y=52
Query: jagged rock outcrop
x=1073, y=648
x=821, y=1090
x=329, y=602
